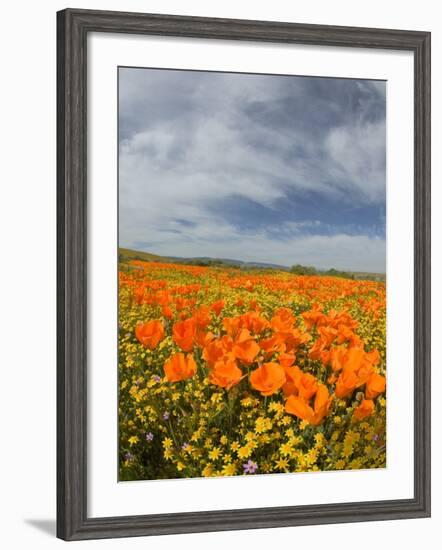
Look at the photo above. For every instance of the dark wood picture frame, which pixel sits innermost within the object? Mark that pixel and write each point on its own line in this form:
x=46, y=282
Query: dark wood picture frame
x=73, y=27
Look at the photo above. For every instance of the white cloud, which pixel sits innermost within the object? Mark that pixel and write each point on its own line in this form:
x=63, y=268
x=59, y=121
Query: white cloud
x=217, y=239
x=358, y=154
x=190, y=142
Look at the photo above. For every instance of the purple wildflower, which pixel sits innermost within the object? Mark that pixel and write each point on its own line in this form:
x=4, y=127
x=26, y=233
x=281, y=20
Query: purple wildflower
x=149, y=436
x=156, y=378
x=250, y=467
x=166, y=416
x=128, y=456
x=184, y=446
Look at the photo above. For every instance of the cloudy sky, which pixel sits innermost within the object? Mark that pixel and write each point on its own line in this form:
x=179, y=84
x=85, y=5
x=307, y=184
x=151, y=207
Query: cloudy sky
x=279, y=169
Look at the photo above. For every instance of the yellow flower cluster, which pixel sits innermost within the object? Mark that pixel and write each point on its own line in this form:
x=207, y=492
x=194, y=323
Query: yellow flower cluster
x=225, y=372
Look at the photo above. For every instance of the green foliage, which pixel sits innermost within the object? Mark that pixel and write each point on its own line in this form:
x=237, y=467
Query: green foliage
x=336, y=273
x=299, y=269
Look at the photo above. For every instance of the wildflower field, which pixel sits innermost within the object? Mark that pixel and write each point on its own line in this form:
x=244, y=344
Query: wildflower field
x=228, y=372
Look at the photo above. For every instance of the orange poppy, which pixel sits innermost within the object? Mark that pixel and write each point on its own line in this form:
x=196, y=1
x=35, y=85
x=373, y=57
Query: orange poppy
x=180, y=303
x=312, y=317
x=213, y=352
x=319, y=351
x=283, y=320
x=245, y=348
x=366, y=408
x=232, y=325
x=337, y=355
x=150, y=334
x=274, y=344
x=139, y=294
x=354, y=359
x=364, y=372
x=179, y=367
x=294, y=338
x=254, y=322
x=293, y=375
x=268, y=378
x=183, y=334
x=322, y=404
x=374, y=386
x=162, y=298
x=346, y=384
x=328, y=335
x=298, y=406
x=286, y=359
x=246, y=351
x=373, y=357
x=202, y=337
x=227, y=342
x=202, y=317
x=300, y=383
x=218, y=306
x=356, y=366
x=243, y=335
x=316, y=350
x=249, y=285
x=167, y=312
x=307, y=386
x=225, y=373
x=346, y=334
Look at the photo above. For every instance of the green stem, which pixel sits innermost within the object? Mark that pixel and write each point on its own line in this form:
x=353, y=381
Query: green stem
x=173, y=434
x=229, y=400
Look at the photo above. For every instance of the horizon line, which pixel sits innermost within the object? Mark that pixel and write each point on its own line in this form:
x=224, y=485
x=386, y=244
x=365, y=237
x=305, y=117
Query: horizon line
x=250, y=261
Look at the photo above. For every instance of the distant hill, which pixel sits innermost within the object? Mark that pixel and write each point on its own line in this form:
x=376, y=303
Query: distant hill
x=369, y=276
x=126, y=254
x=206, y=260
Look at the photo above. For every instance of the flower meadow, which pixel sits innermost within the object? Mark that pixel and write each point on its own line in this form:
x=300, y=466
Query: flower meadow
x=227, y=372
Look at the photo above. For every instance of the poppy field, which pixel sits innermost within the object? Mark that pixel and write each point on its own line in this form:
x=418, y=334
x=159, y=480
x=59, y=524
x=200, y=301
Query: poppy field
x=225, y=372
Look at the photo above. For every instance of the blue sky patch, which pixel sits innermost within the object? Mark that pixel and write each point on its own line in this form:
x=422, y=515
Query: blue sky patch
x=279, y=169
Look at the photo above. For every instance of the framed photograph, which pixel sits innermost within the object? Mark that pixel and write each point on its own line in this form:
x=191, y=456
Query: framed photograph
x=243, y=274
